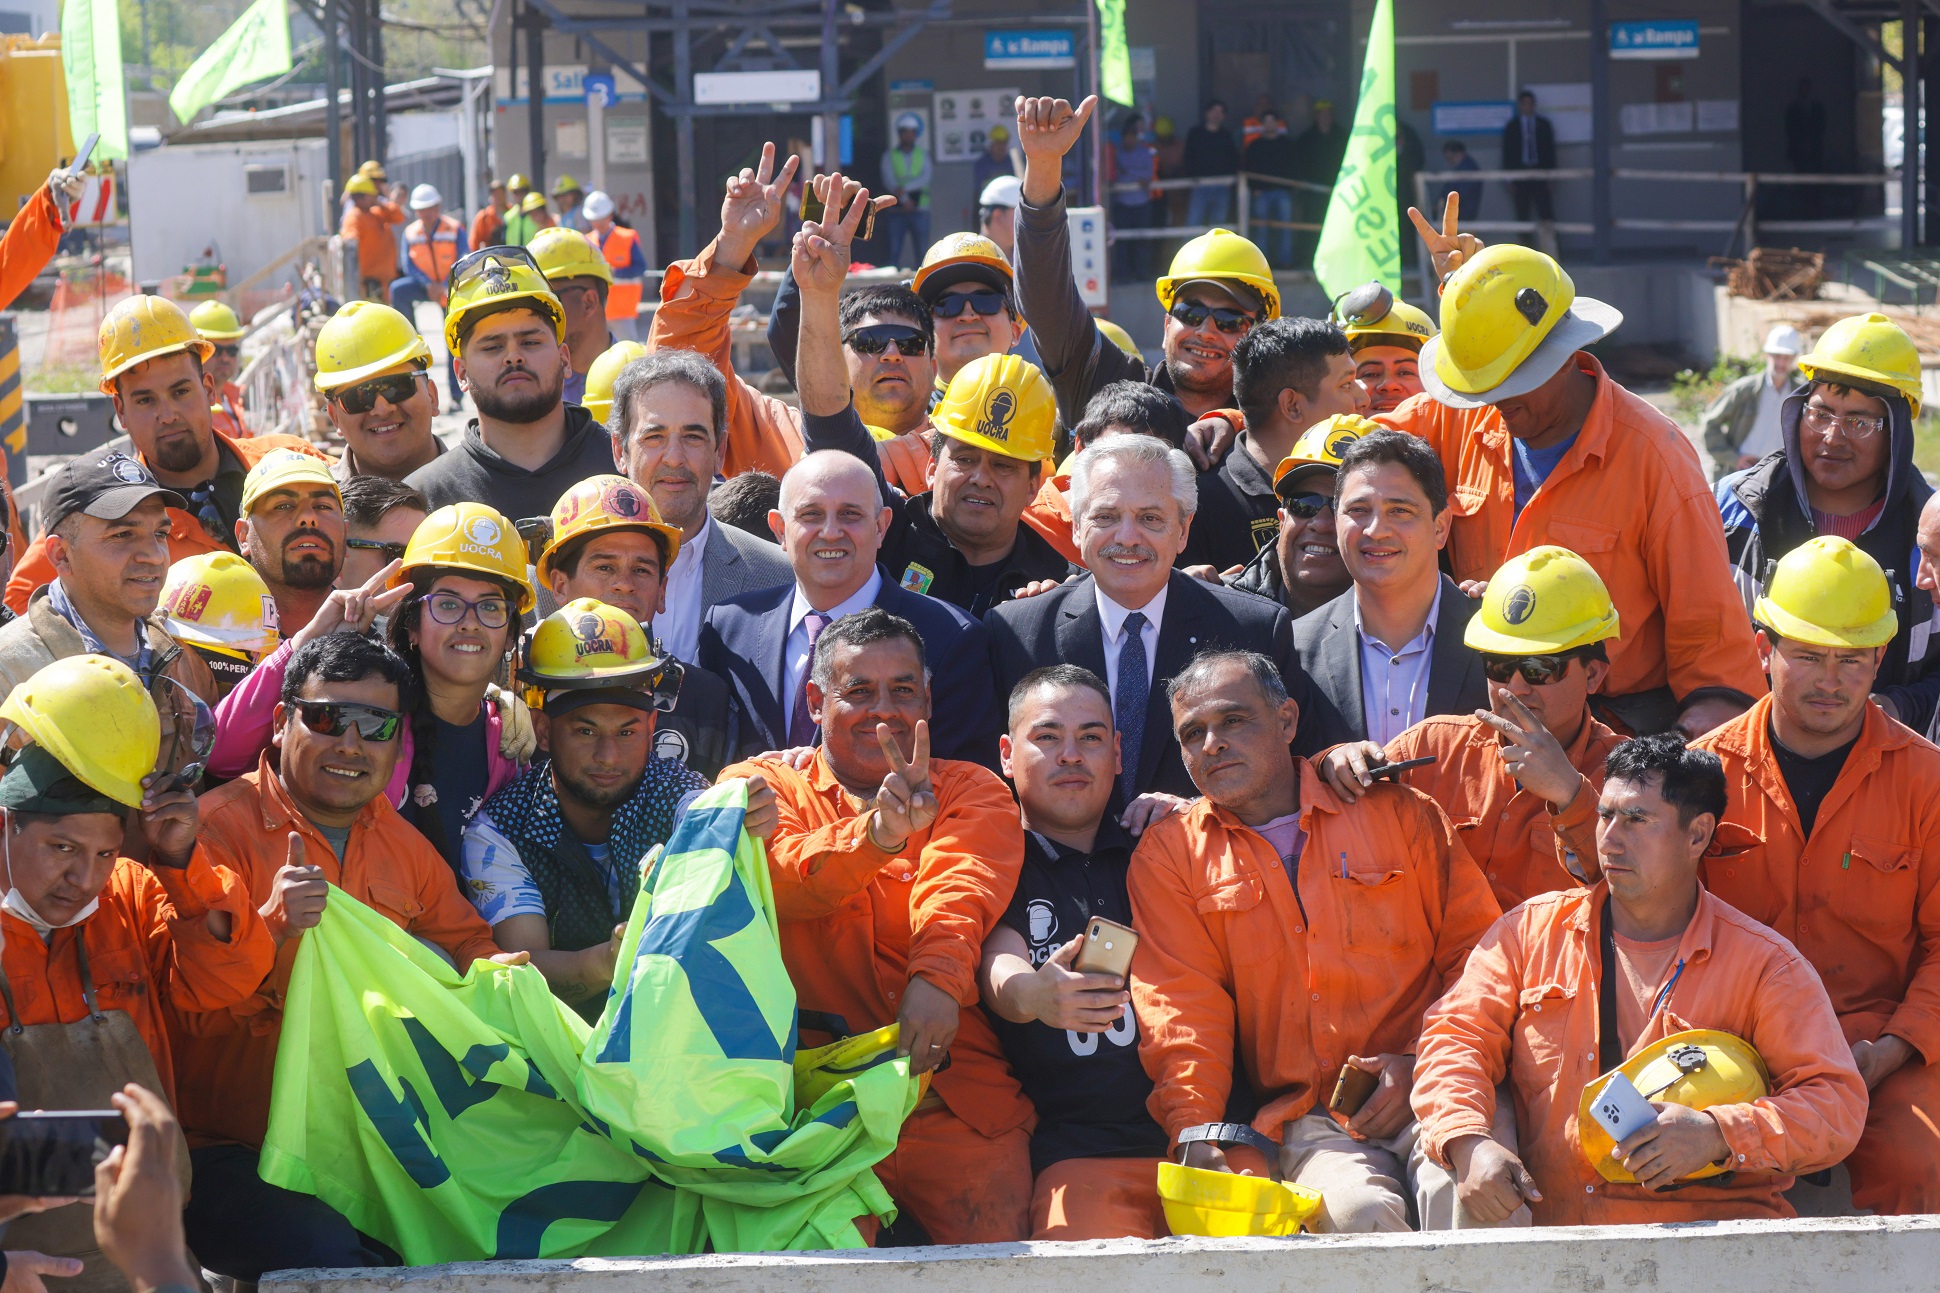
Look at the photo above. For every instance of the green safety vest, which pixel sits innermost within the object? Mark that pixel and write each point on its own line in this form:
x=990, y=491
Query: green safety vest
x=907, y=166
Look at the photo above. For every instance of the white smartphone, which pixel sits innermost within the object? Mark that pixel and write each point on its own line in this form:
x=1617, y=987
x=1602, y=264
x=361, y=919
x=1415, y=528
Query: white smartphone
x=1620, y=1108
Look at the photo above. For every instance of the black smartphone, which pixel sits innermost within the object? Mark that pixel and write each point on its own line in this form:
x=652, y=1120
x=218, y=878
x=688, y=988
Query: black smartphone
x=52, y=1155
x=87, y=150
x=1393, y=771
x=813, y=208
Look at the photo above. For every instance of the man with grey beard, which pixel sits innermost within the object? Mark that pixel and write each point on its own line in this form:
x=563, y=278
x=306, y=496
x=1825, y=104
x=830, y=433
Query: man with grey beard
x=526, y=447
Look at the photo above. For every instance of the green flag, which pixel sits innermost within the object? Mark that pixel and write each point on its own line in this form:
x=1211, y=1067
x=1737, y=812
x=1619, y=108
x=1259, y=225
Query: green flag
x=1114, y=55
x=256, y=46
x=475, y=1116
x=91, y=55
x=1361, y=238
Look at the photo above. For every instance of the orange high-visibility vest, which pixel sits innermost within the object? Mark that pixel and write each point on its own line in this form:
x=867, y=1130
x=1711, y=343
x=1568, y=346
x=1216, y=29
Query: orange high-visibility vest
x=434, y=255
x=623, y=301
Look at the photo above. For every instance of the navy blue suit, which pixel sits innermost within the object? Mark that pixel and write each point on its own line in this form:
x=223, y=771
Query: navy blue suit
x=744, y=640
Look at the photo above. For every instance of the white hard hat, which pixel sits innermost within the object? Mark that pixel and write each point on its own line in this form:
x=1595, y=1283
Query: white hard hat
x=423, y=196
x=1784, y=339
x=1004, y=191
x=597, y=205
x=909, y=121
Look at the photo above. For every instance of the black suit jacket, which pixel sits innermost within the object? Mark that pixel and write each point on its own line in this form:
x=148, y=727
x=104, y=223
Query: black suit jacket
x=1329, y=647
x=1512, y=144
x=744, y=640
x=1064, y=627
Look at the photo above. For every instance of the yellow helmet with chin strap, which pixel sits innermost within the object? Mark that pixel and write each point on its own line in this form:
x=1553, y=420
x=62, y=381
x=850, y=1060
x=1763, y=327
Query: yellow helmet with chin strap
x=1697, y=1069
x=1828, y=592
x=495, y=279
x=92, y=713
x=1542, y=602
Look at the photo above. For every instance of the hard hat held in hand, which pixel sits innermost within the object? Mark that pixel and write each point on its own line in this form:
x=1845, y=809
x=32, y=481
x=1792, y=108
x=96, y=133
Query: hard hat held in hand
x=217, y=600
x=1319, y=449
x=141, y=328
x=467, y=539
x=1001, y=403
x=1511, y=319
x=1221, y=254
x=215, y=321
x=601, y=503
x=93, y=714
x=605, y=372
x=822, y=1069
x=568, y=253
x=1545, y=601
x=1697, y=1069
x=363, y=339
x=1870, y=353
x=1828, y=592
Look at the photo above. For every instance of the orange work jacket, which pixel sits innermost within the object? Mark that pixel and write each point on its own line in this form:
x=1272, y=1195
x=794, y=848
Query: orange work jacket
x=1629, y=498
x=623, y=298
x=1526, y=1009
x=436, y=251
x=858, y=923
x=376, y=244
x=1050, y=515
x=32, y=237
x=1388, y=905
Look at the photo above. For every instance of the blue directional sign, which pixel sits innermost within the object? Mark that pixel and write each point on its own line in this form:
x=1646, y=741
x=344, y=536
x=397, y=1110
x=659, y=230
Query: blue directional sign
x=1011, y=49
x=1657, y=38
x=600, y=89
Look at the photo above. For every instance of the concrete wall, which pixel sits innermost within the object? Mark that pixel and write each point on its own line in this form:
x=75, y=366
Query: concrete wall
x=1879, y=1255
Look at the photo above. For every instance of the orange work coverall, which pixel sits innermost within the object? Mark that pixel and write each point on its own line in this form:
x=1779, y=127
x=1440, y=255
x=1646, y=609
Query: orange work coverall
x=146, y=945
x=1512, y=835
x=1526, y=1009
x=1861, y=900
x=376, y=244
x=1050, y=515
x=858, y=923
x=1388, y=906
x=225, y=415
x=696, y=297
x=225, y=1059
x=187, y=537
x=1629, y=498
x=32, y=238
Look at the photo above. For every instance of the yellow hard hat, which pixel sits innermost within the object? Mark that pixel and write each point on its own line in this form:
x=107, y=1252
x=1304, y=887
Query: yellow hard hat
x=598, y=397
x=533, y=202
x=360, y=185
x=568, y=253
x=601, y=503
x=961, y=258
x=362, y=340
x=1001, y=403
x=140, y=328
x=999, y=133
x=373, y=169
x=1697, y=1069
x=217, y=601
x=217, y=322
x=93, y=714
x=1869, y=352
x=1320, y=447
x=587, y=645
x=1221, y=254
x=1226, y=1205
x=565, y=184
x=468, y=538
x=497, y=278
x=1828, y=592
x=1120, y=338
x=517, y=181
x=1511, y=319
x=281, y=468
x=1545, y=601
x=822, y=1069
x=1371, y=315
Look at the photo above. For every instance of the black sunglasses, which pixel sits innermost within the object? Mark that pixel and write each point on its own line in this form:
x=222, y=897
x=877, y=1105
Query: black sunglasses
x=1224, y=317
x=331, y=718
x=983, y=301
x=1365, y=306
x=1536, y=670
x=362, y=397
x=909, y=342
x=391, y=551
x=229, y=350
x=1305, y=507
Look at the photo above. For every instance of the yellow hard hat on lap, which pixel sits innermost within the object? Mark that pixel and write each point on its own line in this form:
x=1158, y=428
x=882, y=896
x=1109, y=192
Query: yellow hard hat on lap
x=1511, y=319
x=1223, y=256
x=1226, y=1205
x=1870, y=353
x=1697, y=1069
x=1546, y=601
x=91, y=713
x=1828, y=592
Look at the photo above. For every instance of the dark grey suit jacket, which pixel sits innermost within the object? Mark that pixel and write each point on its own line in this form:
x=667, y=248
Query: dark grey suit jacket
x=736, y=562
x=1329, y=647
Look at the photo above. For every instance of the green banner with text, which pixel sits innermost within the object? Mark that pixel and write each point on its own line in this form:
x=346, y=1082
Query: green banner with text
x=1360, y=239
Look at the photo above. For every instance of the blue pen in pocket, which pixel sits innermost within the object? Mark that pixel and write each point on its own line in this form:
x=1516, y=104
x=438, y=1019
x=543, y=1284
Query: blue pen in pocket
x=1343, y=864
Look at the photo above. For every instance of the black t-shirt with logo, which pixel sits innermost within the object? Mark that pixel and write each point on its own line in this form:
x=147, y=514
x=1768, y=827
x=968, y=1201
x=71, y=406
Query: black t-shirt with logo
x=1089, y=1088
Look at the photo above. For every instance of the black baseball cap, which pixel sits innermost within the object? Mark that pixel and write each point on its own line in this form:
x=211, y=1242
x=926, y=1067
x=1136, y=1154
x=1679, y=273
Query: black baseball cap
x=106, y=484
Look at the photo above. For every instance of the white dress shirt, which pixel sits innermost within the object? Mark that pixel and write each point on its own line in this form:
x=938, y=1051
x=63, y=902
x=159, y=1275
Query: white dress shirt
x=679, y=626
x=795, y=654
x=1113, y=616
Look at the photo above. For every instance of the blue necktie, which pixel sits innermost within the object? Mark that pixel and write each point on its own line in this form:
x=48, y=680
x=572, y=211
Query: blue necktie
x=1128, y=705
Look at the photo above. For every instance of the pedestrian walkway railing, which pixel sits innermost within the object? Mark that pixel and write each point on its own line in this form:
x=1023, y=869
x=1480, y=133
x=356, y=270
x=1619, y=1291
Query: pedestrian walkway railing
x=1243, y=185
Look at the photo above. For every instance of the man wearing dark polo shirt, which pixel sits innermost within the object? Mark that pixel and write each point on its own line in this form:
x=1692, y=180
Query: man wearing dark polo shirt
x=1071, y=1038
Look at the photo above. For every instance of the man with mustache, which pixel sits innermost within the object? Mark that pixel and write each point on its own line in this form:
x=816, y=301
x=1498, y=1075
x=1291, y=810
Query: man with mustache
x=152, y=364
x=527, y=446
x=292, y=532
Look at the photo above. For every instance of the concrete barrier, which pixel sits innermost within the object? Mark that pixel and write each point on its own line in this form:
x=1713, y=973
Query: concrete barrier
x=1877, y=1254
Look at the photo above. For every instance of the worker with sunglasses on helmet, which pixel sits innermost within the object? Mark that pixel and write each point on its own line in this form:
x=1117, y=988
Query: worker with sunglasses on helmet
x=1386, y=335
x=1302, y=568
x=1520, y=779
x=373, y=373
x=1218, y=288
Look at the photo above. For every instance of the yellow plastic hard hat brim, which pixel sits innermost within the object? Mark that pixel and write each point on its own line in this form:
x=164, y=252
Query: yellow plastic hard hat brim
x=1480, y=637
x=200, y=346
x=436, y=548
x=214, y=321
x=1787, y=625
x=1228, y=1205
x=1586, y=322
x=669, y=536
x=1736, y=1066
x=600, y=409
x=1031, y=425
x=341, y=333
x=132, y=738
x=1864, y=379
x=1209, y=256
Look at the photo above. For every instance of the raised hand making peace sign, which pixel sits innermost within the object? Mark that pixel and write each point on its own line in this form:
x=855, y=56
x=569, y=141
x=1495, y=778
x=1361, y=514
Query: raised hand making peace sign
x=906, y=804
x=822, y=247
x=752, y=207
x=1449, y=246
